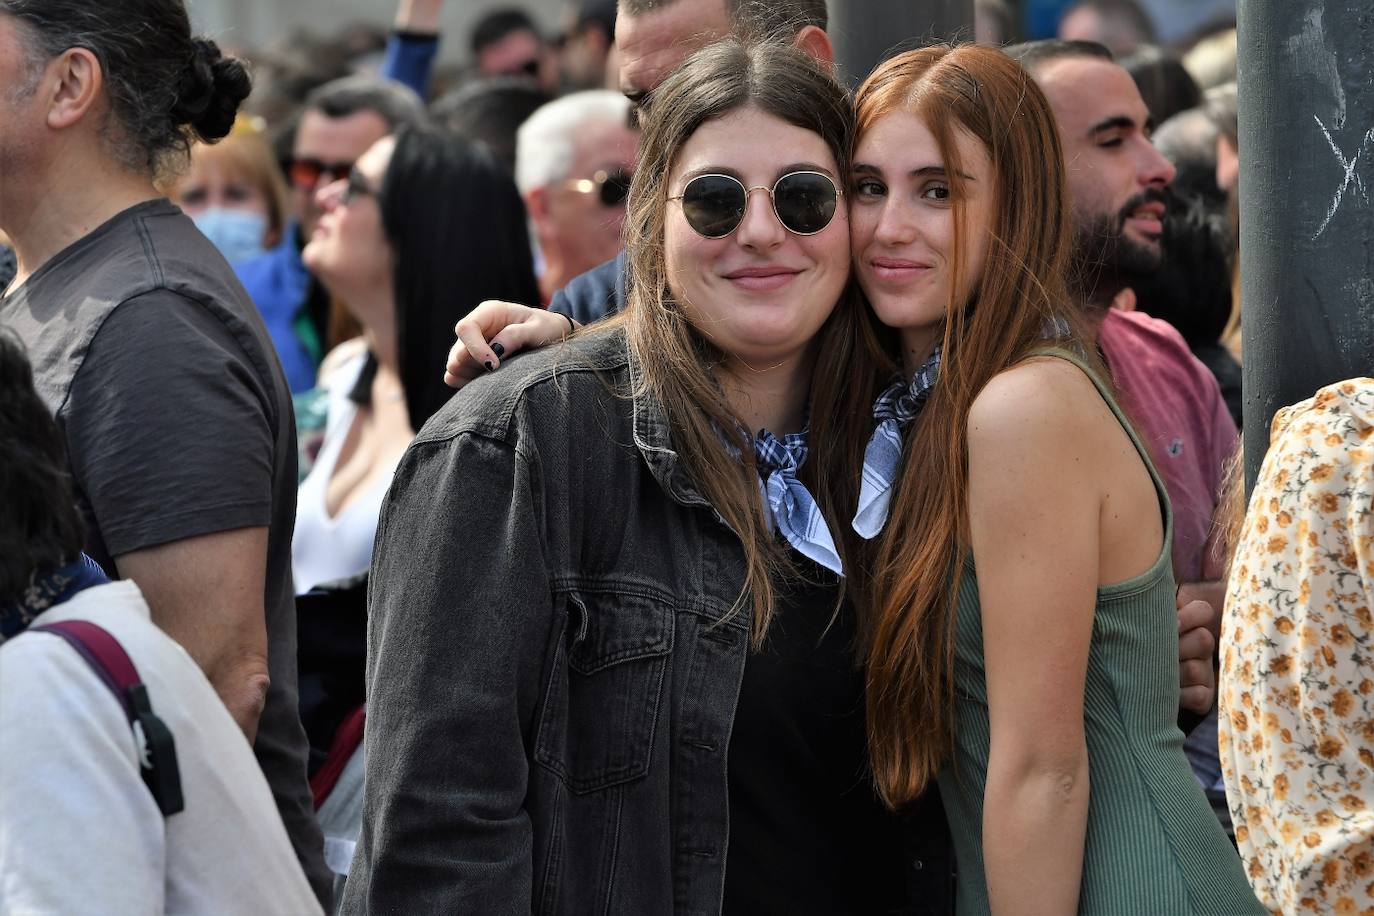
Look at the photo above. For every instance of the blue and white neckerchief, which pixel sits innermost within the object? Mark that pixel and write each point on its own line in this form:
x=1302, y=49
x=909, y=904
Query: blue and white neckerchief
x=896, y=407
x=791, y=507
x=46, y=591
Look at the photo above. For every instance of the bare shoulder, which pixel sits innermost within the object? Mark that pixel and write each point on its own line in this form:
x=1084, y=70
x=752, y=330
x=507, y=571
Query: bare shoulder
x=1041, y=400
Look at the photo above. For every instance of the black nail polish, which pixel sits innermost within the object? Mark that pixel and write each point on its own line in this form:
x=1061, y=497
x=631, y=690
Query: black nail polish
x=488, y=365
x=498, y=349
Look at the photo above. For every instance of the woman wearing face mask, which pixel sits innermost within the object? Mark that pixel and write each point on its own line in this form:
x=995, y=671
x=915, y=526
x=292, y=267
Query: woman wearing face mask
x=234, y=192
x=1041, y=690
x=603, y=682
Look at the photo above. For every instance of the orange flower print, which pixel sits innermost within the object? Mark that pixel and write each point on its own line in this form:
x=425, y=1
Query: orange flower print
x=1297, y=743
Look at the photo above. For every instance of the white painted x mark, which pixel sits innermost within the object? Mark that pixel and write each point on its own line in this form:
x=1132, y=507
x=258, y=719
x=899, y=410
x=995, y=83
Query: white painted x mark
x=1352, y=176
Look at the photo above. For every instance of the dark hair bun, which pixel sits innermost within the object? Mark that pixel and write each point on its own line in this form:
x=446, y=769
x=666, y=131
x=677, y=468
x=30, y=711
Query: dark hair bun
x=211, y=90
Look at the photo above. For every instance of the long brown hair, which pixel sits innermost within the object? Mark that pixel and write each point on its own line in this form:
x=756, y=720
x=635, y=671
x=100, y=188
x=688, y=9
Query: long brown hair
x=1020, y=298
x=675, y=359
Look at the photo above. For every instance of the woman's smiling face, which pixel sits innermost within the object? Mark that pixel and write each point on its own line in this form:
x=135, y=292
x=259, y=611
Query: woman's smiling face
x=903, y=227
x=760, y=293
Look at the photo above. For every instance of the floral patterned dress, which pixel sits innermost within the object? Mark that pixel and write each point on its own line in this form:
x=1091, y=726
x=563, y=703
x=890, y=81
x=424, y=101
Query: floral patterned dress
x=1297, y=664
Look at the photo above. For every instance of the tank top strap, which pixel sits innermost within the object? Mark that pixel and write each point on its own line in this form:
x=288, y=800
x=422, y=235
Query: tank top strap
x=1105, y=391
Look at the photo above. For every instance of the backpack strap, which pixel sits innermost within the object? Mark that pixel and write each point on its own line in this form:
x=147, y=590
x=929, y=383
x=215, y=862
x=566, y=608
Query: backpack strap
x=157, y=755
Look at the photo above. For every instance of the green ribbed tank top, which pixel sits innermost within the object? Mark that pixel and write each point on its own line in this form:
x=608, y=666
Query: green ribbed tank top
x=1153, y=846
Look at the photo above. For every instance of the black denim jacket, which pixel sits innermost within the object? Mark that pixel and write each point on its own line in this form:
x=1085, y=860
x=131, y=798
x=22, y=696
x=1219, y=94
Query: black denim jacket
x=553, y=666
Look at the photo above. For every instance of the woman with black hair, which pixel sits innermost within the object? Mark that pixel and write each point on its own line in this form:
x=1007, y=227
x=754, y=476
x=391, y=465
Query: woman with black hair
x=424, y=228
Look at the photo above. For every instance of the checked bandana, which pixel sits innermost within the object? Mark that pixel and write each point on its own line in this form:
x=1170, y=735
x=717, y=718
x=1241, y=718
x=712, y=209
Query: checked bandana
x=791, y=506
x=896, y=407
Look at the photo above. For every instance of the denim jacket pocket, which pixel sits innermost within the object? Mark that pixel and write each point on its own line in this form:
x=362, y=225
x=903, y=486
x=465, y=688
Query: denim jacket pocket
x=602, y=703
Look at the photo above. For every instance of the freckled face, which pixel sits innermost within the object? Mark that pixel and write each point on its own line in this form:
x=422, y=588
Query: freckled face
x=762, y=292
x=902, y=225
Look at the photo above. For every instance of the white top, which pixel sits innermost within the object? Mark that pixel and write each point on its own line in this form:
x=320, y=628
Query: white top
x=79, y=830
x=326, y=548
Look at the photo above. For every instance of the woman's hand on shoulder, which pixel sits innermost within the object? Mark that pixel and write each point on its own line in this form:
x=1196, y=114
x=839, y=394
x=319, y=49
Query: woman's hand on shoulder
x=495, y=329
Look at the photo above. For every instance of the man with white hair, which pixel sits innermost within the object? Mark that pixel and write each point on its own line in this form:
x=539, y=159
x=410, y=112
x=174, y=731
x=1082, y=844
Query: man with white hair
x=573, y=162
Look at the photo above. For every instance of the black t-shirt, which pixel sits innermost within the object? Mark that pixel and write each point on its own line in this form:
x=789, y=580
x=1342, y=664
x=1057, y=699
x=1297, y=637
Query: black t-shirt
x=807, y=831
x=177, y=422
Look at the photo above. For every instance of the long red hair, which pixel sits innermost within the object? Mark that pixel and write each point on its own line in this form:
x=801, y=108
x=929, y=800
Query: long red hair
x=1021, y=295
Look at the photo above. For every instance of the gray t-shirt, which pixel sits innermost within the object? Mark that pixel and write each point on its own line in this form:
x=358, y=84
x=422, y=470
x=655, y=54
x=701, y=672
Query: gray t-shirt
x=177, y=421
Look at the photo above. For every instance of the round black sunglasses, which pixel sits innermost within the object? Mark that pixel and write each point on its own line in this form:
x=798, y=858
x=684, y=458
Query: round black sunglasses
x=714, y=205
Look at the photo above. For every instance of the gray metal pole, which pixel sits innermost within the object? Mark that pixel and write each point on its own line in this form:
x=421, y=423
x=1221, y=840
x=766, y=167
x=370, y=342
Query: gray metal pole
x=865, y=31
x=1307, y=225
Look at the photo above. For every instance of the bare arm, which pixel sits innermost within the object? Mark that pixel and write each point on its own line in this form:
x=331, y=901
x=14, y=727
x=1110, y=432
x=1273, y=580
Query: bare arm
x=207, y=593
x=1034, y=505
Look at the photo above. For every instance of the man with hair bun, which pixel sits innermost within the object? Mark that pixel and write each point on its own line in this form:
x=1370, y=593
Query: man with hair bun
x=173, y=409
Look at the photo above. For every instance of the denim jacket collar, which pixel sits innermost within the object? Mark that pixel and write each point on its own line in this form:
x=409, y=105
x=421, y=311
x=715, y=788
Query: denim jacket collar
x=653, y=438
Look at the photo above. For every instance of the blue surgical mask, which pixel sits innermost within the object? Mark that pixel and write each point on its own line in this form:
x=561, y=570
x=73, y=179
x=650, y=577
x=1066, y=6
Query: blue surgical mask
x=238, y=234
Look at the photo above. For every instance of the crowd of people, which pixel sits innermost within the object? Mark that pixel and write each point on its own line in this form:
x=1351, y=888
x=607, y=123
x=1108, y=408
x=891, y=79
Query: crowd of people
x=860, y=531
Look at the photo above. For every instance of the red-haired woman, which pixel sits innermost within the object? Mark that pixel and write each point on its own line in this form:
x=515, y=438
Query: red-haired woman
x=1024, y=649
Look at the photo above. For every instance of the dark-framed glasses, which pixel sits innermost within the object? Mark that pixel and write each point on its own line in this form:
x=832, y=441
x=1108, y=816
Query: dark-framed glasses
x=714, y=205
x=612, y=186
x=356, y=186
x=305, y=173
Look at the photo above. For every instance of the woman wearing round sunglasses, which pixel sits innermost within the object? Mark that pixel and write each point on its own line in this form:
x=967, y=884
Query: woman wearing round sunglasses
x=607, y=657
x=1062, y=649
